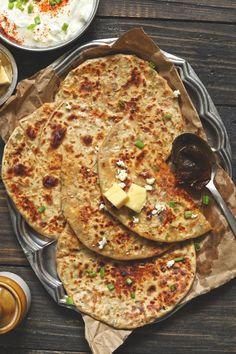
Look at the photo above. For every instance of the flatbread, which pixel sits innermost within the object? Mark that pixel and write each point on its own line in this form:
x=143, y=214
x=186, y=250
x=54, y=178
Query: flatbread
x=71, y=132
x=23, y=175
x=84, y=129
x=140, y=291
x=163, y=217
x=129, y=85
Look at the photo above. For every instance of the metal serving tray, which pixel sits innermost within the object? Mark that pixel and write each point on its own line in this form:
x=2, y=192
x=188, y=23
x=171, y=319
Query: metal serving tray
x=39, y=250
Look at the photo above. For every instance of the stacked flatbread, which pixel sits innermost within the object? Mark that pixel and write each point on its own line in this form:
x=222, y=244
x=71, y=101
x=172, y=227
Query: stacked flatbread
x=122, y=267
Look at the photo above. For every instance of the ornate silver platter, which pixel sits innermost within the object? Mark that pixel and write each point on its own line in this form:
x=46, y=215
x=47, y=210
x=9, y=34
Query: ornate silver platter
x=39, y=250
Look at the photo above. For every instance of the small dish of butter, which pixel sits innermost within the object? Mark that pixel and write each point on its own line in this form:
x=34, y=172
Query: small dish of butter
x=8, y=74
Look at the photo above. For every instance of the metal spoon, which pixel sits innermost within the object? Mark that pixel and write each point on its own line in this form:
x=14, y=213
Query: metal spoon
x=196, y=167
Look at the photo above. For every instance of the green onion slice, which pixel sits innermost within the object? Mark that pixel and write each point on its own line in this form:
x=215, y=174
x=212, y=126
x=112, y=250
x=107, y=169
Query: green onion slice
x=139, y=144
x=197, y=246
x=32, y=26
x=152, y=65
x=168, y=116
x=132, y=295
x=187, y=214
x=30, y=8
x=37, y=20
x=205, y=199
x=179, y=259
x=10, y=5
x=64, y=27
x=91, y=273
x=41, y=209
x=172, y=204
x=69, y=300
x=173, y=287
x=129, y=281
x=110, y=286
x=102, y=272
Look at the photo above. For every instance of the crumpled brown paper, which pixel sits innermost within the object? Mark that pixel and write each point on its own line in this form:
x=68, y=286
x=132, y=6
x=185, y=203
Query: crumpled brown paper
x=216, y=261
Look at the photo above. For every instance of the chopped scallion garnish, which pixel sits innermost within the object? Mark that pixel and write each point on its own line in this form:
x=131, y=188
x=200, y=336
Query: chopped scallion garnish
x=197, y=246
x=37, y=20
x=132, y=295
x=129, y=281
x=30, y=8
x=168, y=116
x=41, y=209
x=152, y=65
x=69, y=300
x=10, y=5
x=179, y=259
x=64, y=27
x=110, y=286
x=19, y=6
x=102, y=272
x=172, y=204
x=139, y=144
x=121, y=104
x=32, y=26
x=91, y=273
x=188, y=214
x=173, y=287
x=205, y=199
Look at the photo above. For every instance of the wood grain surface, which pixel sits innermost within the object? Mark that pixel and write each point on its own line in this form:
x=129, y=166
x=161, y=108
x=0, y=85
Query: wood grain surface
x=204, y=33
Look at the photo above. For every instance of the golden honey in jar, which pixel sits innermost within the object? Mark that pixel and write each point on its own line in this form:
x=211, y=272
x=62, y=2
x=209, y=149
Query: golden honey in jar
x=15, y=300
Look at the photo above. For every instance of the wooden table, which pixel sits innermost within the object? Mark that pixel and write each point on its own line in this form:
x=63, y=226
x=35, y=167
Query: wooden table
x=204, y=33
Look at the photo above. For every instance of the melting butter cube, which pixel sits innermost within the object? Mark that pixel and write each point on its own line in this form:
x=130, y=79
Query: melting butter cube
x=136, y=198
x=116, y=196
x=4, y=79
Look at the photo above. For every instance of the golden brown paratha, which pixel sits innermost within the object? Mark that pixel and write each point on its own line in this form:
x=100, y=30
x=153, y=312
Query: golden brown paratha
x=84, y=129
x=72, y=131
x=169, y=214
x=24, y=175
x=126, y=84
x=124, y=294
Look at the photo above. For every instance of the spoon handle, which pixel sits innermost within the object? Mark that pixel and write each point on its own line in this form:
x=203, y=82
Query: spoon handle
x=220, y=201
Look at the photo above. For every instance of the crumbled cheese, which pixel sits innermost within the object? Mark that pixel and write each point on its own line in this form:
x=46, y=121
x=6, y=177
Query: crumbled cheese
x=102, y=243
x=135, y=220
x=122, y=175
x=122, y=185
x=176, y=93
x=88, y=169
x=194, y=216
x=68, y=106
x=170, y=263
x=150, y=180
x=160, y=208
x=148, y=187
x=102, y=206
x=120, y=163
x=154, y=212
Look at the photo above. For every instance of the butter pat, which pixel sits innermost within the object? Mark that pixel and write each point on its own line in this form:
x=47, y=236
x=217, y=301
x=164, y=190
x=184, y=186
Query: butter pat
x=136, y=198
x=4, y=79
x=116, y=196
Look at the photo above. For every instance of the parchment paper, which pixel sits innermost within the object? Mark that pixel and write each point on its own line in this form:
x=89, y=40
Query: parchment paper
x=216, y=260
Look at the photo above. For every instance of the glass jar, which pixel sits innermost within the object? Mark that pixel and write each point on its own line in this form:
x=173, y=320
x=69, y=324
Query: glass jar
x=15, y=299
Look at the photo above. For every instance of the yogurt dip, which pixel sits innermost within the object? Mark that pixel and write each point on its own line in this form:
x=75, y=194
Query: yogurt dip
x=43, y=23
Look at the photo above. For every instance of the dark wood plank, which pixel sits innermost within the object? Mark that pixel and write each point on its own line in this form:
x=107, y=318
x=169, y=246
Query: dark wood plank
x=205, y=325
x=228, y=115
x=205, y=10
x=10, y=251
x=209, y=47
